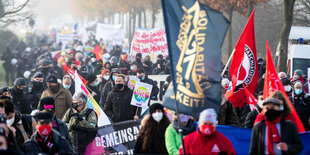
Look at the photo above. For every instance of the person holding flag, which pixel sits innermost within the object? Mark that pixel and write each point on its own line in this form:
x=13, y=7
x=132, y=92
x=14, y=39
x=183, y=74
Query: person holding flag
x=79, y=115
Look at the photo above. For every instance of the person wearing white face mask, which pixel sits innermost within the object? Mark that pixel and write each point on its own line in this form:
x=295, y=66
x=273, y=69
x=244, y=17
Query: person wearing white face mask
x=151, y=139
x=105, y=76
x=67, y=84
x=21, y=125
x=92, y=86
x=251, y=116
x=287, y=86
x=301, y=101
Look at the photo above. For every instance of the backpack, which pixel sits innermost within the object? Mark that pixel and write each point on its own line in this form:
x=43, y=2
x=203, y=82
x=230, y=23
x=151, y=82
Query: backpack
x=86, y=115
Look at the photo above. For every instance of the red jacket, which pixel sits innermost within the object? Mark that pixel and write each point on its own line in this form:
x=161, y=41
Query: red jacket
x=197, y=143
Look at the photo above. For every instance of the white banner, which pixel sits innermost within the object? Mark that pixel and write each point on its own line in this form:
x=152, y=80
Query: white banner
x=107, y=32
x=150, y=42
x=132, y=82
x=64, y=38
x=141, y=94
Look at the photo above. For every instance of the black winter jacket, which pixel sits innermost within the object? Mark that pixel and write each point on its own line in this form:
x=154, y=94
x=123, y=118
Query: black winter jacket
x=32, y=146
x=118, y=107
x=62, y=129
x=302, y=106
x=289, y=135
x=21, y=101
x=250, y=118
x=155, y=89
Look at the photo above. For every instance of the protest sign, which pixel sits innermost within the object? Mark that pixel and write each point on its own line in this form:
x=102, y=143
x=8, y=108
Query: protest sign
x=64, y=39
x=132, y=82
x=150, y=42
x=118, y=138
x=108, y=32
x=160, y=80
x=141, y=94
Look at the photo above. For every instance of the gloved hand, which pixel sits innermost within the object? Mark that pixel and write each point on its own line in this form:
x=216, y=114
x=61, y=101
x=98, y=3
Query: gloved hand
x=78, y=116
x=74, y=128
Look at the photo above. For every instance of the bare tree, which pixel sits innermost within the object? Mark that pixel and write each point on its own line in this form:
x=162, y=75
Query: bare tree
x=12, y=11
x=302, y=13
x=288, y=21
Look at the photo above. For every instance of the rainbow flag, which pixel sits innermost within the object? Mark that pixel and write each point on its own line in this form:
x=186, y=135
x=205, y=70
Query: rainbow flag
x=91, y=102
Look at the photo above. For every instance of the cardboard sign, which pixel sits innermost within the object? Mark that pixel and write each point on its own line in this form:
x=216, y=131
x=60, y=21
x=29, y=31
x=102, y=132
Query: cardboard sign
x=141, y=94
x=151, y=42
x=132, y=82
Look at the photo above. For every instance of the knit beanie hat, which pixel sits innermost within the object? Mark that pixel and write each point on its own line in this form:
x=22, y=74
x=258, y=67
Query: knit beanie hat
x=208, y=115
x=299, y=72
x=91, y=78
x=47, y=103
x=155, y=106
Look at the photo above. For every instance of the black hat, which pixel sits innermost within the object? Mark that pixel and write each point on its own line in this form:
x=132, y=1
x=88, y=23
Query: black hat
x=156, y=106
x=38, y=75
x=4, y=89
x=139, y=55
x=272, y=100
x=285, y=81
x=45, y=62
x=116, y=70
x=91, y=78
x=44, y=117
x=47, y=103
x=160, y=56
x=2, y=119
x=51, y=78
x=19, y=82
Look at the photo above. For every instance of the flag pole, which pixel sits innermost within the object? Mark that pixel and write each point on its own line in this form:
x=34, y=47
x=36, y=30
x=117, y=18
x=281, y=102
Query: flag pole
x=227, y=63
x=180, y=131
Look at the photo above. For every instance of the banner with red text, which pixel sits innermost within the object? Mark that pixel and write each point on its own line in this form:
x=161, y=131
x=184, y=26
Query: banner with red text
x=150, y=42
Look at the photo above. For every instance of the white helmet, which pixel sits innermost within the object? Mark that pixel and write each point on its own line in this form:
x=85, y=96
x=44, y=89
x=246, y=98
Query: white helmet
x=27, y=74
x=14, y=61
x=28, y=49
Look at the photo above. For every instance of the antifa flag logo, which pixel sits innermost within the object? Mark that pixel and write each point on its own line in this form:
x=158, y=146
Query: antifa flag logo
x=246, y=70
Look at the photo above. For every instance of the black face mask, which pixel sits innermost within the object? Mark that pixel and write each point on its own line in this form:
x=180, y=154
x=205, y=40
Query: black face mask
x=74, y=68
x=19, y=91
x=74, y=105
x=54, y=88
x=45, y=70
x=119, y=86
x=272, y=114
x=37, y=84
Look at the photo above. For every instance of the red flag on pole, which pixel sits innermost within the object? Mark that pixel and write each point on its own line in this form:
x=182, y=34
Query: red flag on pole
x=251, y=99
x=273, y=83
x=243, y=69
x=97, y=52
x=71, y=72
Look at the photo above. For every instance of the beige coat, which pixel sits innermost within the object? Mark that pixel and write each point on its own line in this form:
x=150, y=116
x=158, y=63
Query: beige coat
x=63, y=100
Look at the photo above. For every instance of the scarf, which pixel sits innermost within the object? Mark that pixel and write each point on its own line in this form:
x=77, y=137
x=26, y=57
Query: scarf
x=189, y=128
x=273, y=135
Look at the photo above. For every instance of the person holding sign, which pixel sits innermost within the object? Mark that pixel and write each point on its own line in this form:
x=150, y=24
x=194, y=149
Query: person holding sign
x=117, y=106
x=144, y=78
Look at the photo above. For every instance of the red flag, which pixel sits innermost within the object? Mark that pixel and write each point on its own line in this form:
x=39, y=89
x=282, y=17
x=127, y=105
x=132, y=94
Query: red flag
x=71, y=72
x=251, y=99
x=97, y=52
x=273, y=83
x=243, y=69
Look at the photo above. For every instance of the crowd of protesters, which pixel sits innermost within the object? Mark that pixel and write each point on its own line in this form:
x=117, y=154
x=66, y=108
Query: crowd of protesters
x=41, y=112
